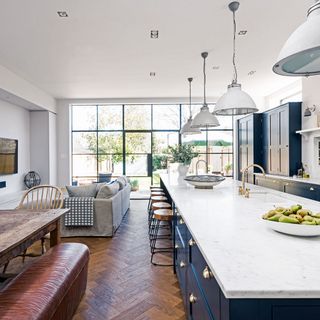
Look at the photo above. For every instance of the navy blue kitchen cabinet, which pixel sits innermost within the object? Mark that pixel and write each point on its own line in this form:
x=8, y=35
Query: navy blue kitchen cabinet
x=249, y=144
x=302, y=189
x=281, y=144
x=297, y=188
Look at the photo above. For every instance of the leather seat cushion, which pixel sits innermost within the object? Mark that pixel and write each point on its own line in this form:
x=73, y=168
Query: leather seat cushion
x=39, y=291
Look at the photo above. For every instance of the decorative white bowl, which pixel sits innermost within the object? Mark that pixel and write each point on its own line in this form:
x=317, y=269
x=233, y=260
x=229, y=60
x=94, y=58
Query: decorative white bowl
x=204, y=181
x=299, y=230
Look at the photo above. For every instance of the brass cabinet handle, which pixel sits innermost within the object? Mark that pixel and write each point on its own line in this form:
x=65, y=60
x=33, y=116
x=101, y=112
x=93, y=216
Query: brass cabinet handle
x=191, y=242
x=206, y=273
x=311, y=189
x=176, y=246
x=182, y=264
x=287, y=183
x=181, y=221
x=192, y=298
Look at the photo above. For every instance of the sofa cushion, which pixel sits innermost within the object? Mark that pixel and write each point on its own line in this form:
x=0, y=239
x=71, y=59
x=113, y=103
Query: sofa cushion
x=89, y=190
x=108, y=191
x=99, y=185
x=122, y=180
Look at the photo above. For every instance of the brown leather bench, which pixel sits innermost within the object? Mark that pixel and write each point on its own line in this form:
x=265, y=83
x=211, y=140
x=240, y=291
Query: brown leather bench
x=50, y=288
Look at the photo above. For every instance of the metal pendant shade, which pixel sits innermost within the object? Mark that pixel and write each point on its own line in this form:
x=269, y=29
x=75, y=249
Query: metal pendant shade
x=300, y=56
x=205, y=119
x=235, y=101
x=187, y=129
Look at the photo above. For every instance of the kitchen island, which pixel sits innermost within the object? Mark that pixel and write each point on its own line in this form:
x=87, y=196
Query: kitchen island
x=231, y=266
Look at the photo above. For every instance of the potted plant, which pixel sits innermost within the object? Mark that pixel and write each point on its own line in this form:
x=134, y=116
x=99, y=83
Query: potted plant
x=134, y=185
x=183, y=155
x=228, y=168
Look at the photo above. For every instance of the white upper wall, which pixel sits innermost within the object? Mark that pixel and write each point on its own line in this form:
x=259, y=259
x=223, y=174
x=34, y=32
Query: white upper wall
x=23, y=93
x=15, y=124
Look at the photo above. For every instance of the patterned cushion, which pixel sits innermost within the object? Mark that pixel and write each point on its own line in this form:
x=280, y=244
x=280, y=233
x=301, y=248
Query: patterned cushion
x=88, y=190
x=108, y=191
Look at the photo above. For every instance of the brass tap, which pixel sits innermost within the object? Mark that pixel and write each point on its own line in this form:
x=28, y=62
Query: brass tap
x=242, y=189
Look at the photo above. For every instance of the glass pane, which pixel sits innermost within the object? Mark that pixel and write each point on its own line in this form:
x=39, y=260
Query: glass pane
x=140, y=187
x=78, y=181
x=110, y=164
x=110, y=117
x=137, y=117
x=84, y=142
x=185, y=113
x=220, y=164
x=136, y=165
x=225, y=123
x=166, y=117
x=197, y=140
x=110, y=142
x=138, y=142
x=220, y=141
x=84, y=117
x=162, y=140
x=84, y=165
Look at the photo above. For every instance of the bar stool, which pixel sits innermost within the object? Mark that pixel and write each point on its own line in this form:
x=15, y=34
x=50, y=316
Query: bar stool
x=156, y=206
x=153, y=200
x=160, y=215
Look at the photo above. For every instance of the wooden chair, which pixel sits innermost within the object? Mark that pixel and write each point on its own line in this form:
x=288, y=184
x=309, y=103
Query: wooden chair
x=42, y=197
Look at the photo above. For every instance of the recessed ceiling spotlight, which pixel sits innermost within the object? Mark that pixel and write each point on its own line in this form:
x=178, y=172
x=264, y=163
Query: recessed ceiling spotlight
x=154, y=34
x=152, y=74
x=62, y=14
x=215, y=67
x=242, y=32
x=252, y=72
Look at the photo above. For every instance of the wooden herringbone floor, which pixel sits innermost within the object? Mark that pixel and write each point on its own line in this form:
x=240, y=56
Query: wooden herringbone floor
x=122, y=284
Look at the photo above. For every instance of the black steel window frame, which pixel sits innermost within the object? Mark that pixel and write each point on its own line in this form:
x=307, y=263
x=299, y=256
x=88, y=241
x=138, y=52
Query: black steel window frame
x=123, y=131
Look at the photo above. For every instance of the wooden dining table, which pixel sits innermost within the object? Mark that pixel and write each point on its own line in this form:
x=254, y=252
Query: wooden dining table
x=19, y=229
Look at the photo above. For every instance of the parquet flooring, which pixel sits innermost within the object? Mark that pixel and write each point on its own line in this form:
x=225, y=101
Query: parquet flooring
x=122, y=284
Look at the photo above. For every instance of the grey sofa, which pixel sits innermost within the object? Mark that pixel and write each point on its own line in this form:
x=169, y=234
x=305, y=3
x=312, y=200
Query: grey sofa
x=107, y=216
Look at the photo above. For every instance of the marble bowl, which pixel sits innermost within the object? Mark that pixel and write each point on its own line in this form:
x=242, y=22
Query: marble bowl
x=204, y=181
x=299, y=230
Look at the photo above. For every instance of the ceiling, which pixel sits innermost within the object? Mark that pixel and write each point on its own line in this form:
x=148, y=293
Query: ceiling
x=103, y=49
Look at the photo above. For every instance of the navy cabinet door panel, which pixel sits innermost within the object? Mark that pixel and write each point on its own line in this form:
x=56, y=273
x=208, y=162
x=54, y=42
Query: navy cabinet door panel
x=303, y=190
x=206, y=280
x=198, y=309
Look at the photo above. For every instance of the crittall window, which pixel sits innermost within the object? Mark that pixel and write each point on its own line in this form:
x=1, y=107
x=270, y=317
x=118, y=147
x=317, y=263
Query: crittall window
x=132, y=140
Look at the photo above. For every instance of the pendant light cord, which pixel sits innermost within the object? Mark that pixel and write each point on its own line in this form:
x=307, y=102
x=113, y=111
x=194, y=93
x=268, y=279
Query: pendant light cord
x=235, y=74
x=204, y=82
x=190, y=99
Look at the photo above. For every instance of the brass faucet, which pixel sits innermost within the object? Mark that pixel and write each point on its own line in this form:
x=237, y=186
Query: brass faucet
x=197, y=164
x=242, y=189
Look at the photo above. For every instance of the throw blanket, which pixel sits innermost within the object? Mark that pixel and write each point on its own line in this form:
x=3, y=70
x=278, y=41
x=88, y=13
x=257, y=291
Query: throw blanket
x=81, y=212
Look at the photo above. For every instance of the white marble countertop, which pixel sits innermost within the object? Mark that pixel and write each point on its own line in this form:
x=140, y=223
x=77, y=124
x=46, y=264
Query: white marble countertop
x=303, y=180
x=247, y=259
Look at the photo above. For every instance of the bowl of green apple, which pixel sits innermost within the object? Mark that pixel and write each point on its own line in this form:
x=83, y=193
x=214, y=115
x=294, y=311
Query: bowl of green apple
x=295, y=220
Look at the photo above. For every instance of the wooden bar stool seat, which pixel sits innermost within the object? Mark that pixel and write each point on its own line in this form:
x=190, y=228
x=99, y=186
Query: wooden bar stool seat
x=157, y=193
x=158, y=199
x=160, y=205
x=163, y=214
x=154, y=187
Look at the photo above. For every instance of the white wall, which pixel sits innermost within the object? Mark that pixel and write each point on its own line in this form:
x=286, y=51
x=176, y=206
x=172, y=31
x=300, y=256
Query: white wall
x=43, y=147
x=15, y=124
x=311, y=96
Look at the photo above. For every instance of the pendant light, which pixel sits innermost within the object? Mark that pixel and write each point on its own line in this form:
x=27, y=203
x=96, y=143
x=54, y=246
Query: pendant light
x=235, y=101
x=204, y=119
x=300, y=56
x=186, y=129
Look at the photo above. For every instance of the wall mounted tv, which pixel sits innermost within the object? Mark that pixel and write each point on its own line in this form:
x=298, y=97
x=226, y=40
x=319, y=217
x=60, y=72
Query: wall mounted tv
x=8, y=156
